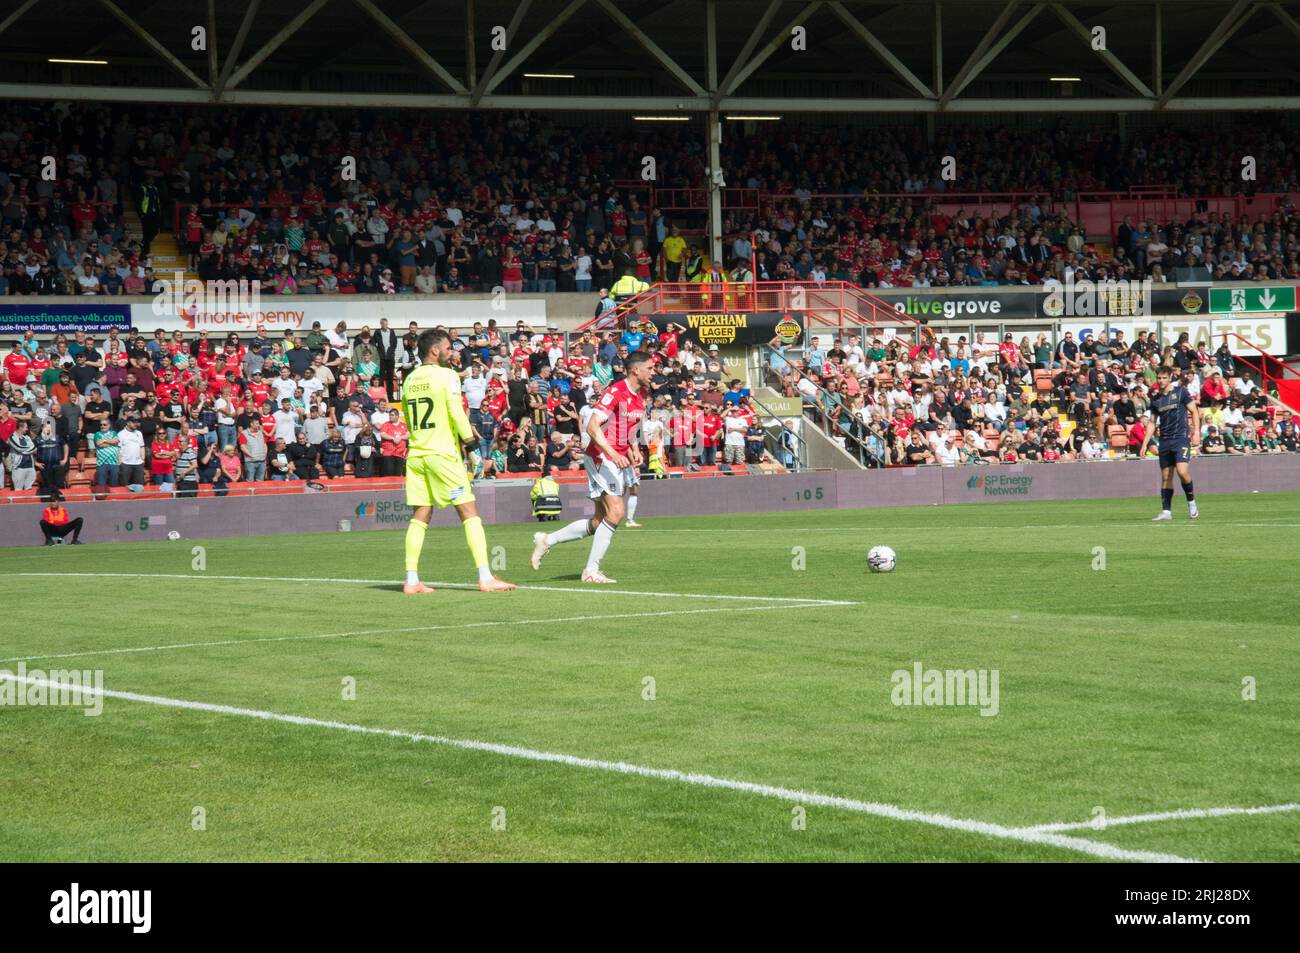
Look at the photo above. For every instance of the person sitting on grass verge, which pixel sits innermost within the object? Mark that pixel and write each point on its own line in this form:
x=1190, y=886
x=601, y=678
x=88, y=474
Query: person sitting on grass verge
x=55, y=522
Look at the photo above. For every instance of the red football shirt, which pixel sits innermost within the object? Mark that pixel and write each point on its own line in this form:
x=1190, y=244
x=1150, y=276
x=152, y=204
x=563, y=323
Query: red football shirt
x=17, y=367
x=161, y=464
x=620, y=411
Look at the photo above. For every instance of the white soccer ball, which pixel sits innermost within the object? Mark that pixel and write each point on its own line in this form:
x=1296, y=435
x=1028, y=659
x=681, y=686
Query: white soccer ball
x=881, y=559
x=173, y=535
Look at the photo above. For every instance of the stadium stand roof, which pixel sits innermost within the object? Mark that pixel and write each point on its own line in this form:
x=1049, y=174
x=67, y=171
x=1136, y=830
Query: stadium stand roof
x=662, y=56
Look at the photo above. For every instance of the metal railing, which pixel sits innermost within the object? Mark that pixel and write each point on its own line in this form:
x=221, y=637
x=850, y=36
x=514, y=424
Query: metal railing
x=774, y=433
x=1288, y=388
x=831, y=305
x=822, y=410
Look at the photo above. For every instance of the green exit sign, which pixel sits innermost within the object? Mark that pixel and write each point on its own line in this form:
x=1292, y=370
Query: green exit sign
x=1251, y=298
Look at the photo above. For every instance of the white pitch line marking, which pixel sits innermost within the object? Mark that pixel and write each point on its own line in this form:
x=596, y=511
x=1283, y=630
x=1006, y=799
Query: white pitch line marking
x=603, y=590
x=890, y=811
x=1188, y=814
x=1018, y=528
x=418, y=628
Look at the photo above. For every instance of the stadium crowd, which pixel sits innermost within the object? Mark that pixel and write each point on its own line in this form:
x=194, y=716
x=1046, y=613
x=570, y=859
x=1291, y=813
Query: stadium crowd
x=131, y=410
x=447, y=203
x=949, y=402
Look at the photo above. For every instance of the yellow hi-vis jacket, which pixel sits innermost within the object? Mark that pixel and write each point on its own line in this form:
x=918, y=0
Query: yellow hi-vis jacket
x=626, y=287
x=546, y=497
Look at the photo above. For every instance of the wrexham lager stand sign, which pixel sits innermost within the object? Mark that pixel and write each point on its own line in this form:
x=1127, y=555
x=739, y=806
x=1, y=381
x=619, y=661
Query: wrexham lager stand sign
x=1251, y=298
x=736, y=327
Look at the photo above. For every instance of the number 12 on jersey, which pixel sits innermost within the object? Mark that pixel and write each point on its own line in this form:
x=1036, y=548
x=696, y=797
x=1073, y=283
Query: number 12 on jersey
x=417, y=412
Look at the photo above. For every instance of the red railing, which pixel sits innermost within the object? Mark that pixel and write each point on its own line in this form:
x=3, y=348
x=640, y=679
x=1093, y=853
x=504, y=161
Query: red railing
x=697, y=199
x=1288, y=388
x=1096, y=213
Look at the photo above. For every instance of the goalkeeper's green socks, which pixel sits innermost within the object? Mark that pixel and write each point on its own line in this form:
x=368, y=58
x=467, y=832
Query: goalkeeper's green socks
x=415, y=531
x=477, y=541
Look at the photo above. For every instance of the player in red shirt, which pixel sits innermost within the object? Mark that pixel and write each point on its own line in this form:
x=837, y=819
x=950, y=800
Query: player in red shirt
x=612, y=458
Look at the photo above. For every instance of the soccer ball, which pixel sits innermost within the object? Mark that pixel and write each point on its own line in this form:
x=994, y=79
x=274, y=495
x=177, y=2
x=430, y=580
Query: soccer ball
x=881, y=559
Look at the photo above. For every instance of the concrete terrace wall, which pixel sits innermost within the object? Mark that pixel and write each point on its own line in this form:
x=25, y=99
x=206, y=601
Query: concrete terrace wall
x=128, y=520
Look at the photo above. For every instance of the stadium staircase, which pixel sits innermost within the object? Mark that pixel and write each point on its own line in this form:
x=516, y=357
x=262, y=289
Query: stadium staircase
x=832, y=308
x=165, y=252
x=1282, y=376
x=168, y=257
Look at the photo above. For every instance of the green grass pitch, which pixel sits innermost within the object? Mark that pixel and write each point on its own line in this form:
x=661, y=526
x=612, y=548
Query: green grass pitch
x=1119, y=688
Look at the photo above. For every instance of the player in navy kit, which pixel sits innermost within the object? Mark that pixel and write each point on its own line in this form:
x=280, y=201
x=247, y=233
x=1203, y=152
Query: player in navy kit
x=1173, y=406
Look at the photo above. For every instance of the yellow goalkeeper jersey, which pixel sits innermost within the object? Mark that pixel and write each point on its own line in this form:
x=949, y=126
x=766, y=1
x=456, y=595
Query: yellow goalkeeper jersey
x=434, y=413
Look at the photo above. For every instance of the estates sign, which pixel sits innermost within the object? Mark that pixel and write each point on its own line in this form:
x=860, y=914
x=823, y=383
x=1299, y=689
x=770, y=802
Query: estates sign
x=1252, y=298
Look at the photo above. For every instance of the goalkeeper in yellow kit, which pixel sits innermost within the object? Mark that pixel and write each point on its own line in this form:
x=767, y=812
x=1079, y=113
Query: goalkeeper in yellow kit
x=435, y=463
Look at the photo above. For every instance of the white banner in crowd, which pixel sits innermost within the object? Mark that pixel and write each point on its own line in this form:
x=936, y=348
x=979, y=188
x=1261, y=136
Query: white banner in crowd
x=1267, y=334
x=299, y=313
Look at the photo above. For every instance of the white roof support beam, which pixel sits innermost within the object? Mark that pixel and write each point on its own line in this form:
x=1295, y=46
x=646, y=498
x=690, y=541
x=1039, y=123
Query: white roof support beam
x=1158, y=52
x=240, y=36
x=981, y=56
x=1274, y=8
x=489, y=74
x=1241, y=12
x=501, y=75
x=711, y=45
x=165, y=54
x=651, y=47
x=404, y=40
x=471, y=67
x=756, y=34
x=893, y=62
x=213, y=72
x=737, y=76
x=627, y=104
x=273, y=44
x=1110, y=59
x=938, y=49
x=9, y=20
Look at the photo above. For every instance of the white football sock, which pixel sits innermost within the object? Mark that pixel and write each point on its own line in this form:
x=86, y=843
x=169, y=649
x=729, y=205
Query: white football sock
x=484, y=573
x=631, y=507
x=412, y=577
x=600, y=541
x=578, y=529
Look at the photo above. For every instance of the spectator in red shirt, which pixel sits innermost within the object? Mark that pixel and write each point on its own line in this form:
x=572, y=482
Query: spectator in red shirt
x=683, y=429
x=393, y=437
x=17, y=365
x=711, y=429
x=162, y=458
x=1214, y=390
x=668, y=339
x=512, y=271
